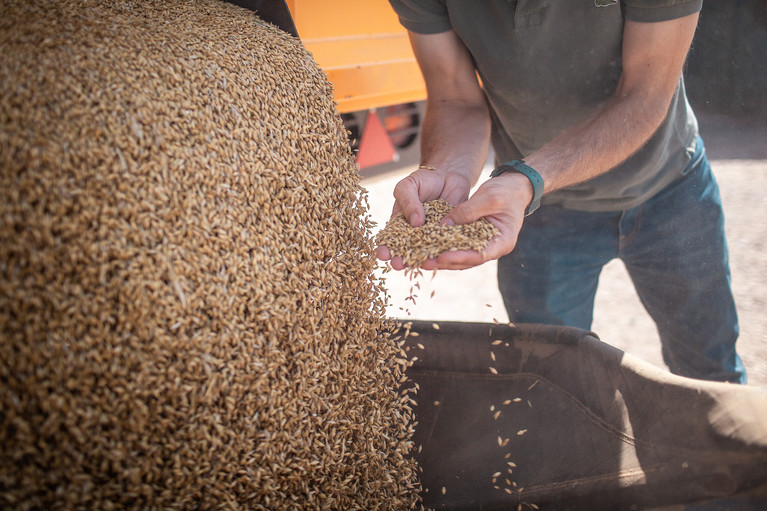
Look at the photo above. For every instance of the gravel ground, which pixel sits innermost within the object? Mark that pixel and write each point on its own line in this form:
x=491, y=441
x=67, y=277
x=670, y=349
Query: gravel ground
x=737, y=148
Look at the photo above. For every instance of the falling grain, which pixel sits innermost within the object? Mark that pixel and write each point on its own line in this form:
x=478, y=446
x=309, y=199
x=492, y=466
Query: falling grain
x=188, y=313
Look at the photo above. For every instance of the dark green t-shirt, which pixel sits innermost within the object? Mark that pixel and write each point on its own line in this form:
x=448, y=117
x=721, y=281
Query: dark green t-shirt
x=547, y=64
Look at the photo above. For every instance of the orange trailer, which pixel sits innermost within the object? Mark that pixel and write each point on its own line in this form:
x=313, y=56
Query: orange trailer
x=367, y=56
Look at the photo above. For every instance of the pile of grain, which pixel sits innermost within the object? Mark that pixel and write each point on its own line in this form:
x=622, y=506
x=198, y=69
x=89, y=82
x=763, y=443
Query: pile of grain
x=188, y=317
x=417, y=244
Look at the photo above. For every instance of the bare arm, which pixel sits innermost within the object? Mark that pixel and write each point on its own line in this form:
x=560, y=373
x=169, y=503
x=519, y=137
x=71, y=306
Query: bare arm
x=456, y=130
x=653, y=56
x=455, y=134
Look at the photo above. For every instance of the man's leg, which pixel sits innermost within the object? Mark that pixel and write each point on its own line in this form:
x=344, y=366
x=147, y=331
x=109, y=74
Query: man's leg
x=551, y=276
x=675, y=251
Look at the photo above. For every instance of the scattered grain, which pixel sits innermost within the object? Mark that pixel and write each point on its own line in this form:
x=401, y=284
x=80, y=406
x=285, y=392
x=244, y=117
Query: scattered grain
x=188, y=317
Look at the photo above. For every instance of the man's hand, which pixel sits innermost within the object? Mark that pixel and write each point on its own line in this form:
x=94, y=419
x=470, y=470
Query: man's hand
x=456, y=130
x=501, y=200
x=455, y=134
x=422, y=186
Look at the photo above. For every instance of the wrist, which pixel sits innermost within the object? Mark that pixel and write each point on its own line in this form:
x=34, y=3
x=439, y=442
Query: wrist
x=517, y=190
x=518, y=168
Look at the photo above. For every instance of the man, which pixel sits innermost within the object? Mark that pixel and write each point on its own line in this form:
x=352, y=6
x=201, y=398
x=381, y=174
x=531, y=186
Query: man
x=590, y=93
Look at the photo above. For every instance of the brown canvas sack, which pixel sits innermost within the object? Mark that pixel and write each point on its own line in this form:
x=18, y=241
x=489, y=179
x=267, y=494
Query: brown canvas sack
x=552, y=416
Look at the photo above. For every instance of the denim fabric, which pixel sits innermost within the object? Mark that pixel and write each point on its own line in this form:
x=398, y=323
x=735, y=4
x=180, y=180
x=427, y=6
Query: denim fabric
x=675, y=251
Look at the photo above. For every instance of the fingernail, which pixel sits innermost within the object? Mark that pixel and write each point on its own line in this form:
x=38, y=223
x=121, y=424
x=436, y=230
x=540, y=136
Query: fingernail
x=448, y=222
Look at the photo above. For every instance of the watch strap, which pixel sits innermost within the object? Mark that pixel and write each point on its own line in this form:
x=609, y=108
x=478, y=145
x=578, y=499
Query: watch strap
x=535, y=179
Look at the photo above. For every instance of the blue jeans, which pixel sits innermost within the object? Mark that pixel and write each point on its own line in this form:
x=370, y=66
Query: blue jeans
x=675, y=251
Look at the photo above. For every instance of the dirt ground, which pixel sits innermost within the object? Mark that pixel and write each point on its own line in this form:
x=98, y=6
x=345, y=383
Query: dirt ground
x=737, y=148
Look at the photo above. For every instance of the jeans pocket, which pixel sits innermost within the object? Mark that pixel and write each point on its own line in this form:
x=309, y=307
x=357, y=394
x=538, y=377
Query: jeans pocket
x=696, y=157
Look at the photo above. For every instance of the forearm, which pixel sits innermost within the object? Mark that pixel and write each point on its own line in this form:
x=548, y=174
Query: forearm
x=454, y=144
x=600, y=142
x=455, y=138
x=456, y=134
x=653, y=55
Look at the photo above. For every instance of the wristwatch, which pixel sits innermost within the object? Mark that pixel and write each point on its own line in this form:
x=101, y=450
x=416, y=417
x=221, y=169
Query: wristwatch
x=535, y=178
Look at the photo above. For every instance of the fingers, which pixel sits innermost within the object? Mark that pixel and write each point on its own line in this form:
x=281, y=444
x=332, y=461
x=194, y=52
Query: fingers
x=508, y=226
x=383, y=253
x=504, y=197
x=490, y=201
x=464, y=259
x=487, y=201
x=464, y=213
x=408, y=202
x=457, y=259
x=424, y=185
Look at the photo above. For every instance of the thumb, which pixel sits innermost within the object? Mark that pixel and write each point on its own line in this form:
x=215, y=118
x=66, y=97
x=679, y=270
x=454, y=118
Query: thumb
x=463, y=213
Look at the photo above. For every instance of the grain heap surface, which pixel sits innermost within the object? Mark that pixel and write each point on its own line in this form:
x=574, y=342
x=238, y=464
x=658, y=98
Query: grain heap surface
x=188, y=316
x=417, y=244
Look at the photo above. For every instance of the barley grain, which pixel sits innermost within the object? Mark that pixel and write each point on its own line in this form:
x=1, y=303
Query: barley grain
x=188, y=316
x=417, y=244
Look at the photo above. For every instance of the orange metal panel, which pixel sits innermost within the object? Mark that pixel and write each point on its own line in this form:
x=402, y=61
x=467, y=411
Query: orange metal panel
x=368, y=50
x=376, y=86
x=362, y=48
x=316, y=19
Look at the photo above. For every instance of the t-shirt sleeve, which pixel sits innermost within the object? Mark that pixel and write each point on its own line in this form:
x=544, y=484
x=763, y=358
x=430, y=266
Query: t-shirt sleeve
x=422, y=16
x=660, y=10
